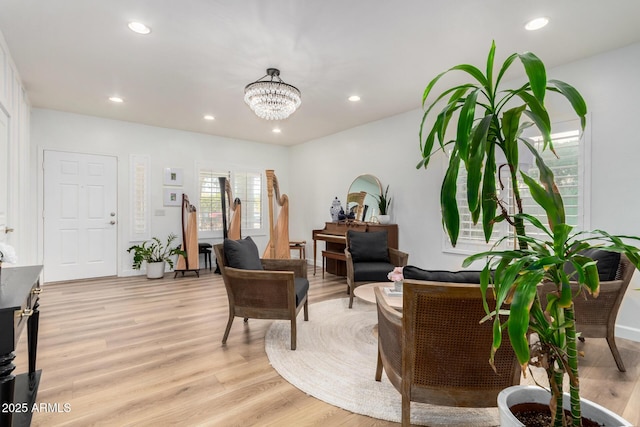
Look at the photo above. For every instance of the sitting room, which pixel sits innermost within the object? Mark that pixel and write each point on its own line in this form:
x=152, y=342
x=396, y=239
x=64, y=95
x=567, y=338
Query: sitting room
x=307, y=179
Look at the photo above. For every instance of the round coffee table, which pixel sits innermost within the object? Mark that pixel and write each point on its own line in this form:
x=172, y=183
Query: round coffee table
x=365, y=293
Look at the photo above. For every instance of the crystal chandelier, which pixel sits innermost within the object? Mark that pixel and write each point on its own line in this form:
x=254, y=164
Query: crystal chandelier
x=272, y=99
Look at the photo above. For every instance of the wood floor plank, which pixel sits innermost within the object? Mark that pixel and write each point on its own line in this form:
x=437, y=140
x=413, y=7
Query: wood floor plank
x=138, y=352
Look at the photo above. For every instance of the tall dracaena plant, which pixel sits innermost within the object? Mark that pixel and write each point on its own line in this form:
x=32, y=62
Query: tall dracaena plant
x=498, y=127
x=487, y=121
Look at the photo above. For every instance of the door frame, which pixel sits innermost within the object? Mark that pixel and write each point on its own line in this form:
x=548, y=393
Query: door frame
x=40, y=201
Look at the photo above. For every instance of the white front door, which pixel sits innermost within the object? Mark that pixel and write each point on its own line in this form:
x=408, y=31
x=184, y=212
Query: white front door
x=4, y=175
x=80, y=216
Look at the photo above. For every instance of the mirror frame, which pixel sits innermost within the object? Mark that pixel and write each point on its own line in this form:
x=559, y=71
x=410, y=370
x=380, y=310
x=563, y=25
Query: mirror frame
x=370, y=199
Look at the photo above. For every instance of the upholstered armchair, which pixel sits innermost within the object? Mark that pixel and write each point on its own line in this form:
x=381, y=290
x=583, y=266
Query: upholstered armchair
x=596, y=317
x=369, y=259
x=262, y=288
x=436, y=351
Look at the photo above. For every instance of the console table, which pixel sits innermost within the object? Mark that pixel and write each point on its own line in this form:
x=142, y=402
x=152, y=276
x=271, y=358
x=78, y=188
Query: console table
x=19, y=294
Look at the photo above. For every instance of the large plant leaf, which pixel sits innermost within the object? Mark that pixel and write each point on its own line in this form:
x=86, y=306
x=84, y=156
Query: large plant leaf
x=535, y=70
x=489, y=197
x=574, y=97
x=465, y=123
x=490, y=60
x=510, y=130
x=505, y=66
x=474, y=165
x=518, y=323
x=540, y=117
x=541, y=197
x=448, y=202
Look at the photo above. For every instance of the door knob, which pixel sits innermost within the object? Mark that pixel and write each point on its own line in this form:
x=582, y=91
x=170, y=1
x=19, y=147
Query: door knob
x=8, y=230
x=112, y=222
x=112, y=214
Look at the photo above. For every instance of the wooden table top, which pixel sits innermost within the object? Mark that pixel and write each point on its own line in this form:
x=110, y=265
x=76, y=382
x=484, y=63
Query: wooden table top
x=365, y=293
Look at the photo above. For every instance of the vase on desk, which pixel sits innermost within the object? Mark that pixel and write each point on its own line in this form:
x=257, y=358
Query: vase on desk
x=397, y=286
x=384, y=219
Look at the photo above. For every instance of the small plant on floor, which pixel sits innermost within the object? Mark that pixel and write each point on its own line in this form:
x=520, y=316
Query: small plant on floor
x=155, y=251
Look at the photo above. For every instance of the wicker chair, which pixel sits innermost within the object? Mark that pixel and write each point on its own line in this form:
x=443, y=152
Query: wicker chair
x=369, y=259
x=277, y=292
x=436, y=351
x=596, y=317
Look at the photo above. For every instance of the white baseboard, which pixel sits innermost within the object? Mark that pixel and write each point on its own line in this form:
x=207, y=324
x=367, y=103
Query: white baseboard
x=627, y=332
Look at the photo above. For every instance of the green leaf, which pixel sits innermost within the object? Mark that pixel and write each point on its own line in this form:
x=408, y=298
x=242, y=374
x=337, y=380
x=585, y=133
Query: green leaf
x=465, y=123
x=474, y=167
x=505, y=66
x=448, y=202
x=540, y=117
x=518, y=323
x=489, y=197
x=490, y=60
x=473, y=71
x=543, y=199
x=510, y=130
x=537, y=75
x=574, y=97
x=535, y=222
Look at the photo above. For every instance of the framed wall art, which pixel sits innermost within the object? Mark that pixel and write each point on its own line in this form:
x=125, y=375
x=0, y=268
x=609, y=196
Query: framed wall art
x=173, y=176
x=172, y=197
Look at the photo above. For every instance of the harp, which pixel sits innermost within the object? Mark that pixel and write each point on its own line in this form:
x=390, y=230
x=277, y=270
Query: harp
x=278, y=246
x=231, y=210
x=189, y=239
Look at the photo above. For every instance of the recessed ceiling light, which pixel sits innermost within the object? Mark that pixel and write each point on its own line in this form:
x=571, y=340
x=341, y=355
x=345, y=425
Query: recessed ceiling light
x=209, y=117
x=537, y=23
x=276, y=130
x=354, y=98
x=139, y=27
x=116, y=99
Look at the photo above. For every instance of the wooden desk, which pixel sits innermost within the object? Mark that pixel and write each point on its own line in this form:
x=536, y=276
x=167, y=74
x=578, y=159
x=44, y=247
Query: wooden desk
x=19, y=302
x=365, y=293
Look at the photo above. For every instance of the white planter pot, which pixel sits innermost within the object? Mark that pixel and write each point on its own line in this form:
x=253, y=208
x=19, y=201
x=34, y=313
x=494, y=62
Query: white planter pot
x=384, y=219
x=532, y=394
x=155, y=270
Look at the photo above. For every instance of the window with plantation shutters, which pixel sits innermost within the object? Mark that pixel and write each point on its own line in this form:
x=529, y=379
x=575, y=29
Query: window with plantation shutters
x=210, y=204
x=139, y=197
x=247, y=186
x=570, y=169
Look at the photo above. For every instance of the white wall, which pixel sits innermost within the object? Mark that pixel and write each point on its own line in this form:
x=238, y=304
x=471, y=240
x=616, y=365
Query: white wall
x=54, y=130
x=389, y=149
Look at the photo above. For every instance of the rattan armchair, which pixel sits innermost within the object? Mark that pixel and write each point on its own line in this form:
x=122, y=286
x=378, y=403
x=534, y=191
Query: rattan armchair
x=277, y=292
x=596, y=317
x=437, y=352
x=369, y=259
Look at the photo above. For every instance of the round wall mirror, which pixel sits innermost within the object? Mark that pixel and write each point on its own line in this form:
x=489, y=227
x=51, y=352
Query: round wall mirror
x=364, y=206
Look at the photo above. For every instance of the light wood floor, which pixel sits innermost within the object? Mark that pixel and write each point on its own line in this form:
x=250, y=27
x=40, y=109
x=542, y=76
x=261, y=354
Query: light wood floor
x=133, y=351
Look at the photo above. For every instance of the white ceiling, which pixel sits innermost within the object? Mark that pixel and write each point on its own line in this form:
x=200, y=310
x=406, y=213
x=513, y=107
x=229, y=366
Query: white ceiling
x=73, y=54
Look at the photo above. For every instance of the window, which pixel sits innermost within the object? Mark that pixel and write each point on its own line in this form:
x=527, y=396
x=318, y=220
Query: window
x=247, y=186
x=139, y=197
x=570, y=177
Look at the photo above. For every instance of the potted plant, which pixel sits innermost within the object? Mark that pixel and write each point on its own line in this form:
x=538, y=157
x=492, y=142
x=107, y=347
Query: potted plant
x=155, y=254
x=383, y=206
x=490, y=120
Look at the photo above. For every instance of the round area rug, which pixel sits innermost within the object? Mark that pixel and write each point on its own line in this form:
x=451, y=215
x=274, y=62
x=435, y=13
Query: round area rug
x=335, y=361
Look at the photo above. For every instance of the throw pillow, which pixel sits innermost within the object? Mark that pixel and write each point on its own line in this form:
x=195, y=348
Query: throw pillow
x=607, y=263
x=242, y=254
x=464, y=276
x=368, y=247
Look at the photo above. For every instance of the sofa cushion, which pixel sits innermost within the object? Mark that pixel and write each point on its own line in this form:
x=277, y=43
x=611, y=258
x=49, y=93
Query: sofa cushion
x=302, y=287
x=372, y=271
x=464, y=276
x=242, y=254
x=607, y=263
x=368, y=247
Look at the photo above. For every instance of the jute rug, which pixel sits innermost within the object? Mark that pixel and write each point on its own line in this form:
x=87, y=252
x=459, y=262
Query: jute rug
x=335, y=361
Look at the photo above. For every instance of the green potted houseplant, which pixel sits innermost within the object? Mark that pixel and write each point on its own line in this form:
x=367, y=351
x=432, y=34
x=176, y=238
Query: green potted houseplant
x=383, y=206
x=491, y=120
x=155, y=254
